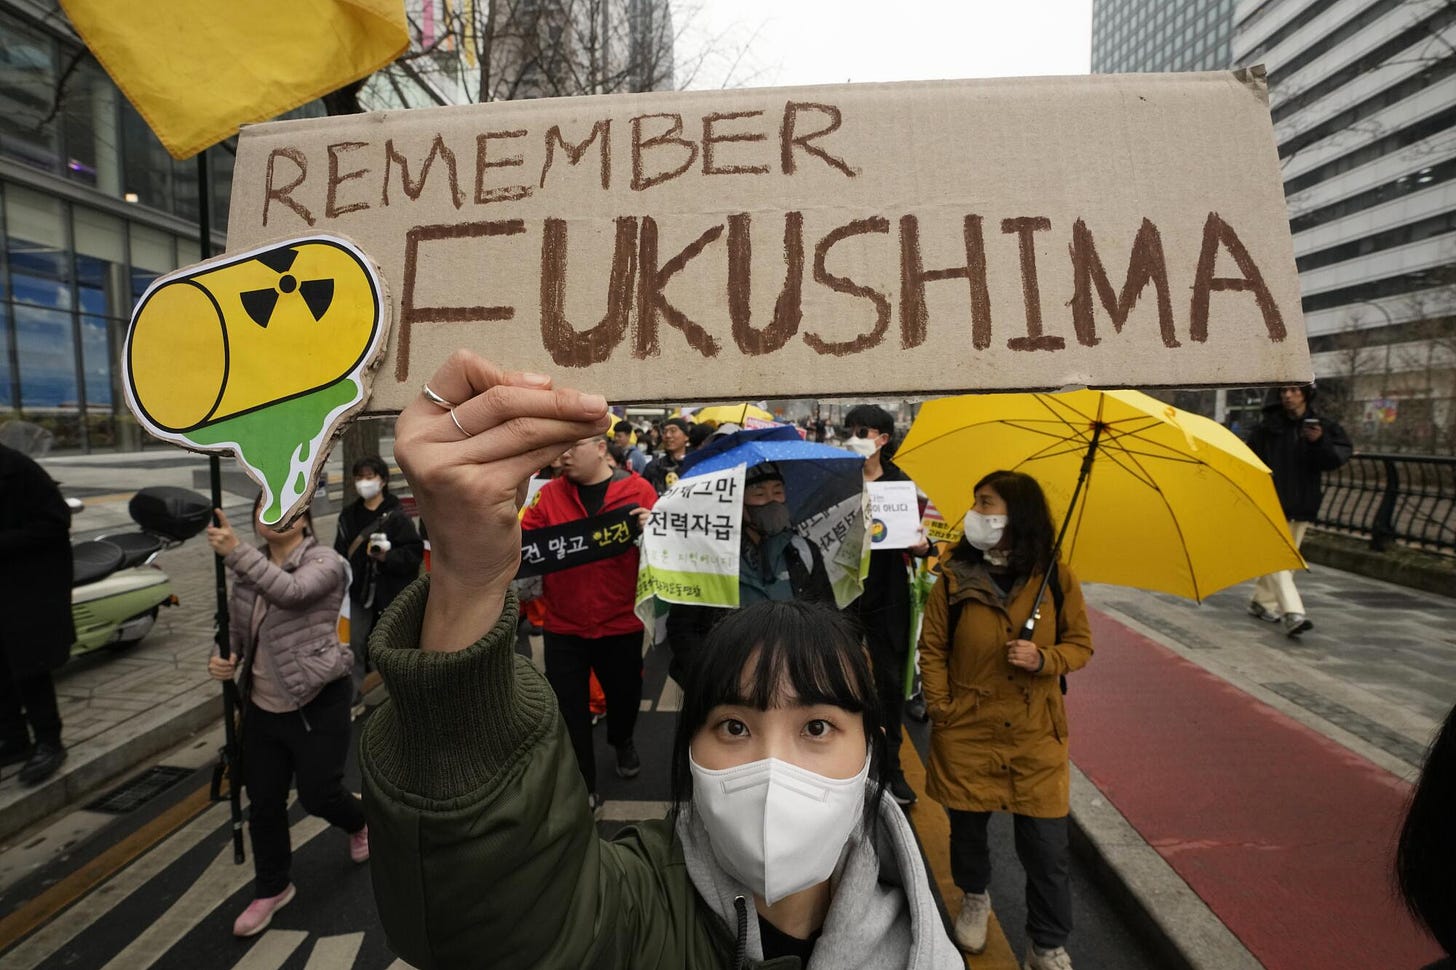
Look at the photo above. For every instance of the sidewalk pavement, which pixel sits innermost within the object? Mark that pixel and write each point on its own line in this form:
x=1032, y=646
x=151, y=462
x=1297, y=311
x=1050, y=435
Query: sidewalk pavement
x=1240, y=790
x=121, y=708
x=1244, y=790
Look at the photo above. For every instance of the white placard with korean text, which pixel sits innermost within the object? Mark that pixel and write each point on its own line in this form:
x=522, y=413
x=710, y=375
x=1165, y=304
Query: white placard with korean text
x=894, y=515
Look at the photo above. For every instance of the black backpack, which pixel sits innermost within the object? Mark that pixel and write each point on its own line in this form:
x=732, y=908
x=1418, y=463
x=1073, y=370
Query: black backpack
x=1054, y=583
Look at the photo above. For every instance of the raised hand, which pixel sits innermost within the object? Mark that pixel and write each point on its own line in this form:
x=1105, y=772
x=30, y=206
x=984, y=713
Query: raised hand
x=468, y=466
x=221, y=536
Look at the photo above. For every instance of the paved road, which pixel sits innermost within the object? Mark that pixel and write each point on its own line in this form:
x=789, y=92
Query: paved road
x=175, y=890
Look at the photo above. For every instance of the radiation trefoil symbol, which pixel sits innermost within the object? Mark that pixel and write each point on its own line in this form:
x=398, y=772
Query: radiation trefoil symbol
x=263, y=355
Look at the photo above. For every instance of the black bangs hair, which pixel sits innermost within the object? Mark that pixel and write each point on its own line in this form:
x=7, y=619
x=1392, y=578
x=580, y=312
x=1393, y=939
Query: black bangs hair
x=372, y=463
x=762, y=655
x=1029, y=520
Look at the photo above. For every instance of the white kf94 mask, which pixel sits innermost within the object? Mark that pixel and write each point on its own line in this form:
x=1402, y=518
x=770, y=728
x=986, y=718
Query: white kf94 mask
x=775, y=827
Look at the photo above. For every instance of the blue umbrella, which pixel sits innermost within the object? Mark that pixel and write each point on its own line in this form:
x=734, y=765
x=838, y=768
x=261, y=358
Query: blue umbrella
x=816, y=477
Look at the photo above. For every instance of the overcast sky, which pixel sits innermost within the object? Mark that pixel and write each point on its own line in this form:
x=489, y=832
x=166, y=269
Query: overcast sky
x=832, y=41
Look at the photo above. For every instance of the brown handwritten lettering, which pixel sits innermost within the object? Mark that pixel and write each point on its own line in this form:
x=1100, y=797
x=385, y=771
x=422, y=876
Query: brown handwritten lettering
x=1216, y=232
x=413, y=189
x=913, y=277
x=331, y=208
x=568, y=346
x=651, y=300
x=1026, y=228
x=500, y=193
x=788, y=309
x=283, y=194
x=841, y=284
x=409, y=314
x=789, y=137
x=575, y=152
x=669, y=137
x=1146, y=264
x=711, y=138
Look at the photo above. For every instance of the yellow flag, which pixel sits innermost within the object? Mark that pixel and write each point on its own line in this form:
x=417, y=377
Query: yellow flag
x=196, y=71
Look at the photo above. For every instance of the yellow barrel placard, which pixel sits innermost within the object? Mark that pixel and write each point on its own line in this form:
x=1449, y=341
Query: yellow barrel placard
x=262, y=353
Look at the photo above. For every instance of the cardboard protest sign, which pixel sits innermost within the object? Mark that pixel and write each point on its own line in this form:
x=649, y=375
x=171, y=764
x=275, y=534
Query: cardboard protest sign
x=576, y=543
x=894, y=515
x=262, y=354
x=921, y=237
x=691, y=543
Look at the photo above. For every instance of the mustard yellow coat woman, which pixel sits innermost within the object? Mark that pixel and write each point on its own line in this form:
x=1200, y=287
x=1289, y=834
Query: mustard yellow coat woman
x=998, y=741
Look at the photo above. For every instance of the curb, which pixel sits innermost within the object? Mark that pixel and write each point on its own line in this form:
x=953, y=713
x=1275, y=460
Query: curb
x=100, y=761
x=1185, y=933
x=1403, y=566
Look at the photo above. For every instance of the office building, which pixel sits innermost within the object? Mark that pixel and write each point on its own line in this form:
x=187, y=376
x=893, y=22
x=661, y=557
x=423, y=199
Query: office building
x=1363, y=98
x=1131, y=36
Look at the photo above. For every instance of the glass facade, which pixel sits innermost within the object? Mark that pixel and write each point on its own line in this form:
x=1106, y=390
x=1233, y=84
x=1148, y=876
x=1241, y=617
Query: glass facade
x=92, y=209
x=1161, y=35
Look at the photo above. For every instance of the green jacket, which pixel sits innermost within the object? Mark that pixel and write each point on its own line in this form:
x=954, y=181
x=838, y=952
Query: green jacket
x=484, y=853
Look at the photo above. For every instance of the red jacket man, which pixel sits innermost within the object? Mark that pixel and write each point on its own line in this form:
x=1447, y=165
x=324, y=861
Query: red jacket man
x=589, y=620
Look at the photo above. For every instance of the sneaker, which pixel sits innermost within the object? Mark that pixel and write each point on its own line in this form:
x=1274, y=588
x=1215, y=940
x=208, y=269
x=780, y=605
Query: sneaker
x=259, y=914
x=628, y=764
x=1295, y=624
x=1054, y=959
x=900, y=790
x=43, y=763
x=15, y=751
x=359, y=845
x=970, y=924
x=1263, y=612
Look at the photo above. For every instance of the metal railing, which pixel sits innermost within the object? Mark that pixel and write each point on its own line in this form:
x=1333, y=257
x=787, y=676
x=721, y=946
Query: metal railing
x=1408, y=499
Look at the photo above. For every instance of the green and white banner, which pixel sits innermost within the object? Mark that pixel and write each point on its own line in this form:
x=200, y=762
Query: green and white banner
x=691, y=543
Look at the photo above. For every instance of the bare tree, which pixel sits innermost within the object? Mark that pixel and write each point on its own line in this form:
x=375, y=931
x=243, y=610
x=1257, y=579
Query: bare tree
x=500, y=50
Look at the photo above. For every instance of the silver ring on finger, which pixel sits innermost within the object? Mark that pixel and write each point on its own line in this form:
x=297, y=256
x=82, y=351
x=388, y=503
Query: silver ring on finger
x=458, y=425
x=436, y=399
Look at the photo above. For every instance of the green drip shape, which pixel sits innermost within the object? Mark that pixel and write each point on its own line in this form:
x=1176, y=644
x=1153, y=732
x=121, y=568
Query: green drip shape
x=269, y=437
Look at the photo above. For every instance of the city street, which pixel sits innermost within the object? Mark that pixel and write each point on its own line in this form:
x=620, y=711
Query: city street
x=153, y=883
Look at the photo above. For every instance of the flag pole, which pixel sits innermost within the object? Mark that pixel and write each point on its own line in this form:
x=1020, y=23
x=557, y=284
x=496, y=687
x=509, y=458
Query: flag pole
x=228, y=763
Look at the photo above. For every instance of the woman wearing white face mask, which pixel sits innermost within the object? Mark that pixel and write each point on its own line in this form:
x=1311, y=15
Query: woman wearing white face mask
x=485, y=853
x=384, y=550
x=998, y=737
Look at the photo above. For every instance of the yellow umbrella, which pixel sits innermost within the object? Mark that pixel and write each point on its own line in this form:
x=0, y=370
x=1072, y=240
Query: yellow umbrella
x=732, y=413
x=1170, y=501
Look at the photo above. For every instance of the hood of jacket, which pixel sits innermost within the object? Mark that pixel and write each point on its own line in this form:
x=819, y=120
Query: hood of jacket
x=883, y=916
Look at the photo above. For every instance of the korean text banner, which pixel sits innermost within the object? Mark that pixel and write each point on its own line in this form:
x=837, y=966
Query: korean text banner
x=892, y=238
x=691, y=542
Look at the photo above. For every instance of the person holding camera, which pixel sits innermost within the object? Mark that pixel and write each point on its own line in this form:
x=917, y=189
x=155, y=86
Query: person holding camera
x=1298, y=445
x=383, y=548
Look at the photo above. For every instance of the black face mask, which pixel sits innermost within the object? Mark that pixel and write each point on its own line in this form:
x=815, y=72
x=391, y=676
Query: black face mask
x=770, y=519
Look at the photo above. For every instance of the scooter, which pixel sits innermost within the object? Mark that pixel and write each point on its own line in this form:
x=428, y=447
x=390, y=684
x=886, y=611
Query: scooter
x=117, y=589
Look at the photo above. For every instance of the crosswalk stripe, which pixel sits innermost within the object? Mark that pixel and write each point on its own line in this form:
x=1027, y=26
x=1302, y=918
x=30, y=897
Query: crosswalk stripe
x=271, y=950
x=66, y=927
x=220, y=881
x=335, y=952
x=399, y=965
x=670, y=699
